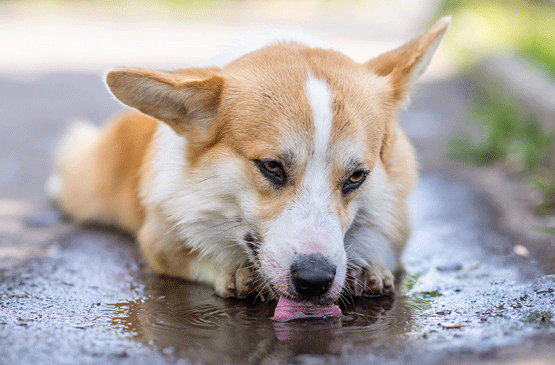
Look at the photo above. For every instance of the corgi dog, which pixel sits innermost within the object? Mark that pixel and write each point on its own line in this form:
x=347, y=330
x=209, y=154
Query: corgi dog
x=279, y=171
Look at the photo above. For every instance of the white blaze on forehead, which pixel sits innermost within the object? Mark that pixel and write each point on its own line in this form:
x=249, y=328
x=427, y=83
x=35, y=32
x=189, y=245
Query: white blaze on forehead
x=319, y=98
x=309, y=224
x=314, y=218
x=316, y=190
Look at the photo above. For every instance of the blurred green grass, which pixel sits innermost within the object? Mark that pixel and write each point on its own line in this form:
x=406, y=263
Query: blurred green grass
x=515, y=141
x=507, y=135
x=525, y=28
x=520, y=28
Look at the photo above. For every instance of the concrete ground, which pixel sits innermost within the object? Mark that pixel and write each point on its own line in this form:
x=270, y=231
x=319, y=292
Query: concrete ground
x=72, y=294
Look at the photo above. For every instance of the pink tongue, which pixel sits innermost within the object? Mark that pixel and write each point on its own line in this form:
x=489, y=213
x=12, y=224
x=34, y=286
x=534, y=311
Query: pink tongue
x=287, y=310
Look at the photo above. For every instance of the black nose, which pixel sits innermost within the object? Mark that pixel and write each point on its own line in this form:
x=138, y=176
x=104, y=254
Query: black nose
x=312, y=275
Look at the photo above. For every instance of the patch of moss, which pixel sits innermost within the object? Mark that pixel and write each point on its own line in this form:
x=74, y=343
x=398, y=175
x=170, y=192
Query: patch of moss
x=410, y=280
x=542, y=318
x=432, y=294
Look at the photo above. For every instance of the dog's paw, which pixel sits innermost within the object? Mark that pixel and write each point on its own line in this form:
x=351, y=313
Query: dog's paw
x=373, y=280
x=239, y=284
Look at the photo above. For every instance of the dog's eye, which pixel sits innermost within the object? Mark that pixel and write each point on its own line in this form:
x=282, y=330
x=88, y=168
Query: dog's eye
x=272, y=170
x=357, y=176
x=271, y=166
x=355, y=180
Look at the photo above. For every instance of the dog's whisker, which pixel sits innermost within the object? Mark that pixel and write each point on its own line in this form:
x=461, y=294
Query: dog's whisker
x=217, y=225
x=345, y=298
x=187, y=187
x=218, y=234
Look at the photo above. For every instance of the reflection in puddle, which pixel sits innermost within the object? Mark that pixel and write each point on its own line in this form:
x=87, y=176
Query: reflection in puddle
x=189, y=321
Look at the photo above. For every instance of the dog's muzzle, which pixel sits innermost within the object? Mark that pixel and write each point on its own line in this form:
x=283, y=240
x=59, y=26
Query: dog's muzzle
x=312, y=275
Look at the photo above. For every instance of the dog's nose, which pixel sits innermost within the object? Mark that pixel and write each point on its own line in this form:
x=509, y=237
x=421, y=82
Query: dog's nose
x=312, y=275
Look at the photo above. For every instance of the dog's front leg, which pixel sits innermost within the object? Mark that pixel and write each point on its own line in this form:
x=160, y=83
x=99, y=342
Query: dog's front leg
x=370, y=279
x=228, y=281
x=371, y=259
x=166, y=254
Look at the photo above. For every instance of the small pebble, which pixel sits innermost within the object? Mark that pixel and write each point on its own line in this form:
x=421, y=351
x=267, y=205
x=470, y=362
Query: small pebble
x=121, y=354
x=521, y=250
x=449, y=267
x=83, y=326
x=471, y=267
x=451, y=325
x=168, y=350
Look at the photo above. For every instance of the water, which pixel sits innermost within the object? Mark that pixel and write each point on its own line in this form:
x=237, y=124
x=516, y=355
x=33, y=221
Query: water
x=188, y=321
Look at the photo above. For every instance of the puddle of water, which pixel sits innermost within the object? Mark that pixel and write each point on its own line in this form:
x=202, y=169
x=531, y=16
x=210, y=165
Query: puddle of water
x=188, y=321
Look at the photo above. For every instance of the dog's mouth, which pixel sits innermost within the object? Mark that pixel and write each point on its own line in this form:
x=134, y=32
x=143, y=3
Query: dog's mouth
x=273, y=290
x=294, y=301
x=306, y=291
x=319, y=300
x=292, y=305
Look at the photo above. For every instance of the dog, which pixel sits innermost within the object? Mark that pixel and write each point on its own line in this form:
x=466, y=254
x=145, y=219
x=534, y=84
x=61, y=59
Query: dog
x=279, y=171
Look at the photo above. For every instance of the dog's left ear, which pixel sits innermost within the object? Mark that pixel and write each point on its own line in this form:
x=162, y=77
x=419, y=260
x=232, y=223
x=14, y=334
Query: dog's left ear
x=405, y=64
x=187, y=100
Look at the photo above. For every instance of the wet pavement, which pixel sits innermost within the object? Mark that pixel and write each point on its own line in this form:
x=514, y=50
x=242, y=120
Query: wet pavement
x=72, y=294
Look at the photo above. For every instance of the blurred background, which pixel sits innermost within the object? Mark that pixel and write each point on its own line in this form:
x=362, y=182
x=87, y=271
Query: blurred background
x=42, y=36
x=496, y=64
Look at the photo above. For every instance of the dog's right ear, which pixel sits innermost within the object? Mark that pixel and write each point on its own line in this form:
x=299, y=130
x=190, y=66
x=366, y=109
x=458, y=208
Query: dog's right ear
x=402, y=66
x=177, y=98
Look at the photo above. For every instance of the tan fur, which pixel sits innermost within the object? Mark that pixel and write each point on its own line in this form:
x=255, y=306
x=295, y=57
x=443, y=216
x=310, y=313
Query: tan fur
x=99, y=170
x=254, y=108
x=159, y=247
x=400, y=64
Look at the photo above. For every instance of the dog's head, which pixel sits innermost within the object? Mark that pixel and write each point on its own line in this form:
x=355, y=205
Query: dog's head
x=297, y=137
